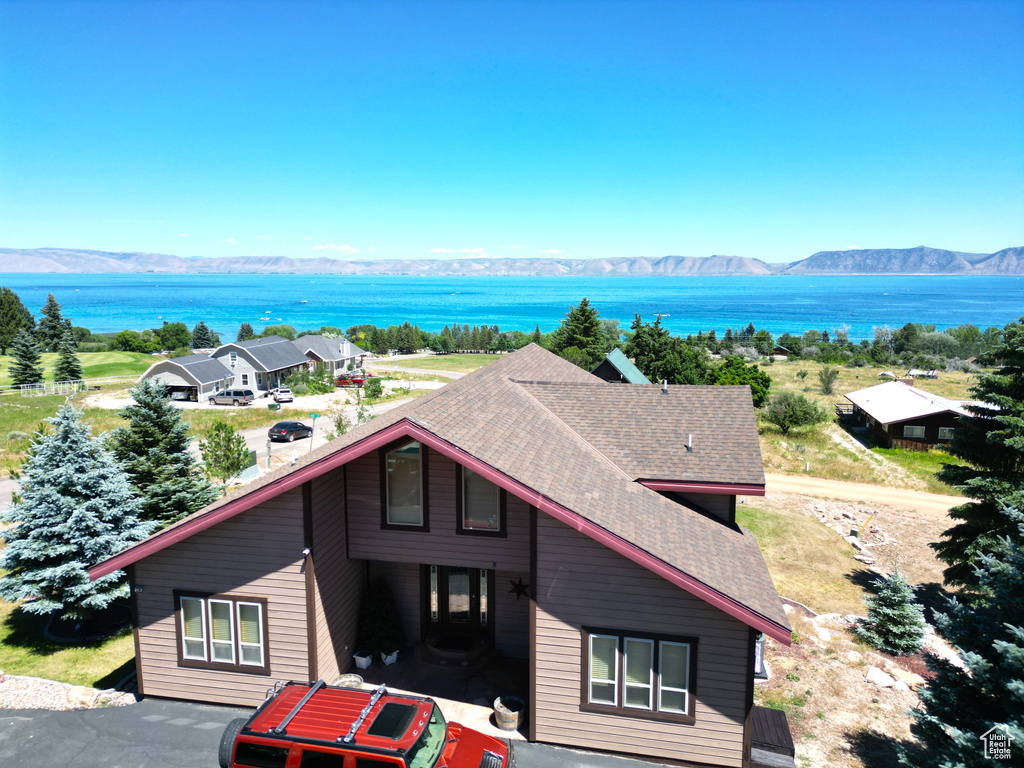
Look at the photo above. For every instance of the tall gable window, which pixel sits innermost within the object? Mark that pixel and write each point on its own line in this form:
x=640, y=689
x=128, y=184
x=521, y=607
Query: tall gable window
x=404, y=487
x=638, y=675
x=222, y=632
x=480, y=504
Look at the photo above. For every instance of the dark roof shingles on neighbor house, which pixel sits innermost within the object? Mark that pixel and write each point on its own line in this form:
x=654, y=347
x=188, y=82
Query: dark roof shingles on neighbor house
x=202, y=368
x=272, y=352
x=520, y=430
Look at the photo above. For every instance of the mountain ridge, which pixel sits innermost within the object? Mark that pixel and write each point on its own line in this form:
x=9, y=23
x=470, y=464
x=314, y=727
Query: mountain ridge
x=920, y=260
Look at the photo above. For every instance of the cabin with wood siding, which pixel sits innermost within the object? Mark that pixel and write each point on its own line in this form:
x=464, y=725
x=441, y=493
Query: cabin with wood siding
x=899, y=415
x=636, y=598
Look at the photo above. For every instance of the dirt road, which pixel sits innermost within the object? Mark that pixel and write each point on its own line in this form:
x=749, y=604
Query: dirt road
x=930, y=504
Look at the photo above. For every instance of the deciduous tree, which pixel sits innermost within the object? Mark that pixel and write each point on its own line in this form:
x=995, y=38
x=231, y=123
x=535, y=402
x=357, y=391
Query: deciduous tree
x=75, y=509
x=224, y=452
x=787, y=410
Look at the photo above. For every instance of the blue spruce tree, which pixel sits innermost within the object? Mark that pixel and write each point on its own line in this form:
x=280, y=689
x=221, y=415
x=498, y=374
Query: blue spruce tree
x=76, y=508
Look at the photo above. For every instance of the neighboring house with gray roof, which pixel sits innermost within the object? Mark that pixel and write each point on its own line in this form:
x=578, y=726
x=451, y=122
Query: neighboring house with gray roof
x=189, y=378
x=334, y=354
x=527, y=509
x=619, y=369
x=261, y=364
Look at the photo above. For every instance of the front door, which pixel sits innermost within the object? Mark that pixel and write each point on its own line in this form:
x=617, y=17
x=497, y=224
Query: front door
x=459, y=605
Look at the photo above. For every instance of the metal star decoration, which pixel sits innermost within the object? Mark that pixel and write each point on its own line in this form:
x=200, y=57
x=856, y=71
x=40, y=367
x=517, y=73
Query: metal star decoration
x=520, y=589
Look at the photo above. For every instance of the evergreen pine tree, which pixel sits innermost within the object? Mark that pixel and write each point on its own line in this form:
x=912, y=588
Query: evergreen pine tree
x=991, y=441
x=202, y=337
x=25, y=368
x=245, y=332
x=538, y=337
x=68, y=367
x=987, y=628
x=224, y=452
x=153, y=449
x=582, y=329
x=51, y=325
x=13, y=317
x=895, y=623
x=75, y=509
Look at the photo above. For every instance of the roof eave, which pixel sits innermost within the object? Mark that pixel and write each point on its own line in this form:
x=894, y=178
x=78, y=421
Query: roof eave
x=716, y=489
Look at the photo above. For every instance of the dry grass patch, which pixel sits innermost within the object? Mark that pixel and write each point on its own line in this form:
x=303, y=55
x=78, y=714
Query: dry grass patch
x=808, y=562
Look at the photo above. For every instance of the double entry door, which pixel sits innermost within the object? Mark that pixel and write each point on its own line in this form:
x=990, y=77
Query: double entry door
x=459, y=605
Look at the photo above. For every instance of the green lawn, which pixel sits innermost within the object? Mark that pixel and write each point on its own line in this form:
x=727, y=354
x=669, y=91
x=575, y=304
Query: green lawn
x=808, y=562
x=95, y=365
x=25, y=651
x=455, y=362
x=923, y=464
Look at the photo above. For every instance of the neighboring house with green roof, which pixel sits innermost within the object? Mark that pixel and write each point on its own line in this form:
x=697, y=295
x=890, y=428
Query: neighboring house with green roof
x=617, y=369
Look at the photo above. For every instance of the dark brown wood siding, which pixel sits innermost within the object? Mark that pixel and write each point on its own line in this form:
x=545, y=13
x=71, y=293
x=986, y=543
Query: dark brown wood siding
x=582, y=583
x=339, y=581
x=440, y=545
x=258, y=553
x=511, y=615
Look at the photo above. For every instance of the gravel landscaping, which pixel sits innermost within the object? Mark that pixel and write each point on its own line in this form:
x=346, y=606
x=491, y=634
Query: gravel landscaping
x=20, y=692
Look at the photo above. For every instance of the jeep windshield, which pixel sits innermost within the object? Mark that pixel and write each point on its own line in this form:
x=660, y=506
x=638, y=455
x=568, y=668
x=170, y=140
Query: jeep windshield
x=428, y=748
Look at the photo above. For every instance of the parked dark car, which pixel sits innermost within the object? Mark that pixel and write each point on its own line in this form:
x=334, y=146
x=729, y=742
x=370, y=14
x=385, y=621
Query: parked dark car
x=289, y=430
x=233, y=397
x=314, y=724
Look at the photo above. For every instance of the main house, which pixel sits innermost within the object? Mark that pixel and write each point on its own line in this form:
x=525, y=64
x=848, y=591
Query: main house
x=612, y=508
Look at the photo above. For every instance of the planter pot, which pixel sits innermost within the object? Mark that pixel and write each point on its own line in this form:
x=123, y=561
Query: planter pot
x=363, y=660
x=509, y=712
x=348, y=681
x=389, y=658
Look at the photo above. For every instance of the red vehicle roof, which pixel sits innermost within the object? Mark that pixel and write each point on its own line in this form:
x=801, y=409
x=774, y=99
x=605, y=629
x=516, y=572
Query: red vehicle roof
x=330, y=712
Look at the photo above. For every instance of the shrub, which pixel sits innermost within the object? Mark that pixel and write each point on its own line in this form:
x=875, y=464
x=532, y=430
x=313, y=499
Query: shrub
x=801, y=374
x=93, y=346
x=373, y=389
x=787, y=410
x=17, y=435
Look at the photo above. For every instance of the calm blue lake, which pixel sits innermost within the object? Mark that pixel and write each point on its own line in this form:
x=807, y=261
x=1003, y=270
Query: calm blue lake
x=105, y=303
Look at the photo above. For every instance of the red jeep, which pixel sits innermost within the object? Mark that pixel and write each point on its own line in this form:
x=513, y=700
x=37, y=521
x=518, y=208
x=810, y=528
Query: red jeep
x=314, y=725
x=350, y=380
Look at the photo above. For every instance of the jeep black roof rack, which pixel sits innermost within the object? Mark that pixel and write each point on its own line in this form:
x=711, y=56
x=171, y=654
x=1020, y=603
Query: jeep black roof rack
x=347, y=738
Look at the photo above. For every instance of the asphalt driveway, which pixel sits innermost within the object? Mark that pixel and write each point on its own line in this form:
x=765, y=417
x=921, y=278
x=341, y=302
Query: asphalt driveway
x=175, y=734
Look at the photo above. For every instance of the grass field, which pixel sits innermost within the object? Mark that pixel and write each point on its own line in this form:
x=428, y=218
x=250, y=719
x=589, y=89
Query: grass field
x=25, y=415
x=95, y=365
x=808, y=562
x=456, y=363
x=25, y=651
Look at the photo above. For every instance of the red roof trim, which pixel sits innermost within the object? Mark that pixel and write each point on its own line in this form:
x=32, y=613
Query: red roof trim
x=717, y=489
x=408, y=428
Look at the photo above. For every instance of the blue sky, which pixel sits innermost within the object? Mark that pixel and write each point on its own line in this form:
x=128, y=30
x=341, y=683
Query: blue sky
x=589, y=129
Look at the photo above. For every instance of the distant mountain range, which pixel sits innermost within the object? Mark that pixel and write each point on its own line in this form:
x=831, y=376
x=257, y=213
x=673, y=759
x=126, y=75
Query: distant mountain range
x=877, y=261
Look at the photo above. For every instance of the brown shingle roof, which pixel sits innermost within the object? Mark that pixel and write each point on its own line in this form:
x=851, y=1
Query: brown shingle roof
x=522, y=430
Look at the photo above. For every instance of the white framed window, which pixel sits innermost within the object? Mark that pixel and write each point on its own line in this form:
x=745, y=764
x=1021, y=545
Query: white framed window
x=673, y=677
x=245, y=379
x=193, y=629
x=222, y=632
x=233, y=358
x=481, y=504
x=604, y=669
x=403, y=486
x=638, y=675
x=639, y=662
x=913, y=432
x=250, y=634
x=945, y=433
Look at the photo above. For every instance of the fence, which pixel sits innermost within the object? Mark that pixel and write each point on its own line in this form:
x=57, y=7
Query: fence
x=64, y=387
